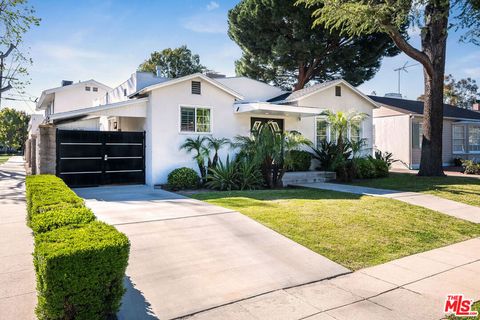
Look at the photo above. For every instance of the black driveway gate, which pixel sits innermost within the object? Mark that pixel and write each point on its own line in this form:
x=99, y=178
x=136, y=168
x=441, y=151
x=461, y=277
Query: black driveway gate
x=92, y=158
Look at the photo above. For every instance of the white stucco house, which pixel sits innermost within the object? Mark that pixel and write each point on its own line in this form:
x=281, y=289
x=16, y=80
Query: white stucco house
x=171, y=110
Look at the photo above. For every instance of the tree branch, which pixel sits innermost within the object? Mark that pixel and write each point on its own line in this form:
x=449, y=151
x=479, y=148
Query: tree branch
x=409, y=50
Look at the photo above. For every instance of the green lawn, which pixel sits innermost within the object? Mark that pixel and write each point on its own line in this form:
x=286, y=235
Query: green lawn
x=461, y=189
x=355, y=231
x=4, y=158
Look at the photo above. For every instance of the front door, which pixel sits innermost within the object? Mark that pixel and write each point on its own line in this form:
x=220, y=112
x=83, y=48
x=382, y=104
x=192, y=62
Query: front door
x=257, y=123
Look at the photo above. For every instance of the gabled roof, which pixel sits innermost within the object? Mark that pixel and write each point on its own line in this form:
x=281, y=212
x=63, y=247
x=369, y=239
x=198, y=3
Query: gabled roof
x=413, y=106
x=48, y=94
x=308, y=91
x=190, y=77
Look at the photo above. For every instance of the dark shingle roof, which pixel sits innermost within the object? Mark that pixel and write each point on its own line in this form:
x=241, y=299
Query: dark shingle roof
x=413, y=106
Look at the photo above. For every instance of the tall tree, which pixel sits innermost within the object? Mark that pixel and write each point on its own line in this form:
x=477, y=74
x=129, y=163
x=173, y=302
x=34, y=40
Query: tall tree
x=280, y=46
x=462, y=93
x=16, y=18
x=173, y=63
x=434, y=18
x=13, y=128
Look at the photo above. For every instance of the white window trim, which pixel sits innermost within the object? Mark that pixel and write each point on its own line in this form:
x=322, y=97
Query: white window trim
x=196, y=106
x=329, y=134
x=465, y=139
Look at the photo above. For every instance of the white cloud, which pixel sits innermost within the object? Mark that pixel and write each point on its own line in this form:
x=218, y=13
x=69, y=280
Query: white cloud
x=206, y=23
x=66, y=52
x=212, y=5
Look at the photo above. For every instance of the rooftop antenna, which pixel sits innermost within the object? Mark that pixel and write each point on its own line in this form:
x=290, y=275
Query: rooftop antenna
x=403, y=68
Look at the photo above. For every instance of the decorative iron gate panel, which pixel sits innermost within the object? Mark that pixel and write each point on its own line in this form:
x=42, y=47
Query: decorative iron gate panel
x=92, y=158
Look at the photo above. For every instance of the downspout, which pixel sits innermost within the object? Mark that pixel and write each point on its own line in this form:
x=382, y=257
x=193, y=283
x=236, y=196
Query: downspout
x=410, y=156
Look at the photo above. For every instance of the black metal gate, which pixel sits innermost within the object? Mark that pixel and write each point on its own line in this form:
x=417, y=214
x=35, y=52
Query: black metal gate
x=92, y=158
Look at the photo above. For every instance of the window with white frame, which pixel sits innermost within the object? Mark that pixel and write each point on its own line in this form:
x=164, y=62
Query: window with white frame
x=356, y=132
x=458, y=144
x=322, y=131
x=474, y=138
x=195, y=119
x=417, y=134
x=325, y=133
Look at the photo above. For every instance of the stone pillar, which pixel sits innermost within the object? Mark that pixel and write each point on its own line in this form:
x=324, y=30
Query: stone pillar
x=33, y=154
x=47, y=149
x=27, y=154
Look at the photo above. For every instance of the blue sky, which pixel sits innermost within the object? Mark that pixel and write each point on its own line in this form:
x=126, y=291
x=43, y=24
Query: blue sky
x=107, y=40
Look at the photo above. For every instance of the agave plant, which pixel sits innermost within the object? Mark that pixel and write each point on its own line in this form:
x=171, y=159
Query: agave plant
x=223, y=176
x=249, y=175
x=200, y=152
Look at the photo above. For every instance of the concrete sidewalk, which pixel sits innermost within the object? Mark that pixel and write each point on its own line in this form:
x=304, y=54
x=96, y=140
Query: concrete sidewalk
x=17, y=276
x=187, y=256
x=410, y=288
x=445, y=206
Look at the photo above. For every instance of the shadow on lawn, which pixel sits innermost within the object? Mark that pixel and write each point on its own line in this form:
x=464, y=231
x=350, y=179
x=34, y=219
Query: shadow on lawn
x=297, y=193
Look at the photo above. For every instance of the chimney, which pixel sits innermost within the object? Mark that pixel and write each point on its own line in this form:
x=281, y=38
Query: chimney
x=476, y=107
x=214, y=75
x=66, y=83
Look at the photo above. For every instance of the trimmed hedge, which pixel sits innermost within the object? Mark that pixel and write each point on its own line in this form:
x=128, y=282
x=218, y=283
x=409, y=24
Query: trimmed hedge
x=60, y=217
x=80, y=271
x=79, y=262
x=48, y=192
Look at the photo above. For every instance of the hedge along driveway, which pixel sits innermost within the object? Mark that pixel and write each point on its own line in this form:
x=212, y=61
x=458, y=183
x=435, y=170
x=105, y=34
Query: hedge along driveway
x=188, y=255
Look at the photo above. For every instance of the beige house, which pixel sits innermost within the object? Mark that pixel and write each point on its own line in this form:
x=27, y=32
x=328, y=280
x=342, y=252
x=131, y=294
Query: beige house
x=398, y=129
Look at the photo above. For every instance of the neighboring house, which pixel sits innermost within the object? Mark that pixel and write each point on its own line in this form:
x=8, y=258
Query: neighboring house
x=35, y=121
x=171, y=110
x=72, y=96
x=398, y=129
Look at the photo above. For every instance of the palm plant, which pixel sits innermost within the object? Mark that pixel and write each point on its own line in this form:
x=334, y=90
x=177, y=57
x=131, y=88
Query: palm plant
x=200, y=152
x=215, y=144
x=269, y=149
x=341, y=121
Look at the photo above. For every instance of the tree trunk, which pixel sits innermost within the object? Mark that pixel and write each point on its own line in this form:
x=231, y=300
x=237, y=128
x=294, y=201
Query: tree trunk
x=434, y=42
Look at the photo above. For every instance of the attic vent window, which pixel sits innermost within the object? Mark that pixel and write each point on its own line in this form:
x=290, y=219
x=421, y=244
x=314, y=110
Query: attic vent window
x=95, y=89
x=338, y=91
x=196, y=87
x=87, y=88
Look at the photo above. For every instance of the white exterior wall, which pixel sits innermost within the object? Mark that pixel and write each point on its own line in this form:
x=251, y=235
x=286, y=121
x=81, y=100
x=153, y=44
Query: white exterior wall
x=399, y=128
x=348, y=101
x=89, y=124
x=163, y=128
x=76, y=97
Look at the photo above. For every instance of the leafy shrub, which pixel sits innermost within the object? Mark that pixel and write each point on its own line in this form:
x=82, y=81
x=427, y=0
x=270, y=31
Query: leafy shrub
x=249, y=176
x=457, y=162
x=300, y=160
x=48, y=192
x=381, y=167
x=386, y=156
x=471, y=167
x=183, y=178
x=56, y=218
x=326, y=154
x=365, y=168
x=80, y=271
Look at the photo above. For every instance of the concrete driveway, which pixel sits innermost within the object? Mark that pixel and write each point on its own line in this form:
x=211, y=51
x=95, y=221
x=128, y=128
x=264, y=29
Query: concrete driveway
x=188, y=256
